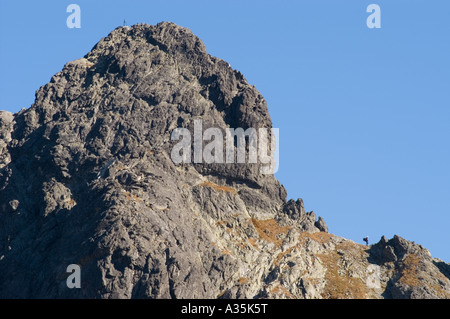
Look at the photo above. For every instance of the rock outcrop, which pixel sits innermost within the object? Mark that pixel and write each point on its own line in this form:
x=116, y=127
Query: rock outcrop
x=87, y=178
x=6, y=127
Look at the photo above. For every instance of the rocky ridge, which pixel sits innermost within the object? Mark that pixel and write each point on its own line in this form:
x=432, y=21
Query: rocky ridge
x=86, y=178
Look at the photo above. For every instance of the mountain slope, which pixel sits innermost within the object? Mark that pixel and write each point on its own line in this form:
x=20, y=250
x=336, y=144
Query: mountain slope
x=87, y=177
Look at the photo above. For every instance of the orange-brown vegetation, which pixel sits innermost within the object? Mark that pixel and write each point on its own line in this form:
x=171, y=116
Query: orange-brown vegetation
x=269, y=230
x=219, y=188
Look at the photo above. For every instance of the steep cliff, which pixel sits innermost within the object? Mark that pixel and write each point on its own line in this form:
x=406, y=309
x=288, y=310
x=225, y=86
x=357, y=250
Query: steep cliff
x=87, y=177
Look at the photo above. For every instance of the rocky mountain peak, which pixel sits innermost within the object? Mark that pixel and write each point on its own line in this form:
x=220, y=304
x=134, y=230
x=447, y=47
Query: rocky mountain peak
x=124, y=166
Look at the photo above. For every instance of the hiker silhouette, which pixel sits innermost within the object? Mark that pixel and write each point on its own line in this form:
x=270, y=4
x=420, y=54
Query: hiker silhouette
x=366, y=239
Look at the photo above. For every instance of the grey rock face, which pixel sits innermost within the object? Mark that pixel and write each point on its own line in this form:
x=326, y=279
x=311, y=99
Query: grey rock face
x=87, y=178
x=321, y=225
x=6, y=127
x=417, y=274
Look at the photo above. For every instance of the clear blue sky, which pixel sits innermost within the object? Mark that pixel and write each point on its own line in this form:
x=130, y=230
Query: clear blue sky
x=364, y=114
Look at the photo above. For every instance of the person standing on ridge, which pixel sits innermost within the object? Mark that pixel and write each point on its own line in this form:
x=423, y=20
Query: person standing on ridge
x=366, y=239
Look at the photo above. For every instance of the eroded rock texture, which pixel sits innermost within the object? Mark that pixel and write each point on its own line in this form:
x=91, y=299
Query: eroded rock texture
x=86, y=177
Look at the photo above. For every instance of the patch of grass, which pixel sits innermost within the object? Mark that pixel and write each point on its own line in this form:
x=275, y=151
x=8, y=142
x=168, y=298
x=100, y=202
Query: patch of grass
x=320, y=237
x=225, y=251
x=340, y=287
x=253, y=243
x=219, y=188
x=347, y=245
x=410, y=275
x=224, y=223
x=440, y=291
x=280, y=256
x=410, y=272
x=130, y=196
x=221, y=223
x=279, y=289
x=269, y=230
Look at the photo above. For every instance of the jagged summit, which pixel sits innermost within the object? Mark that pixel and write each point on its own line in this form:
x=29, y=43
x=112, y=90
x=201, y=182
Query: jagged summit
x=88, y=177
